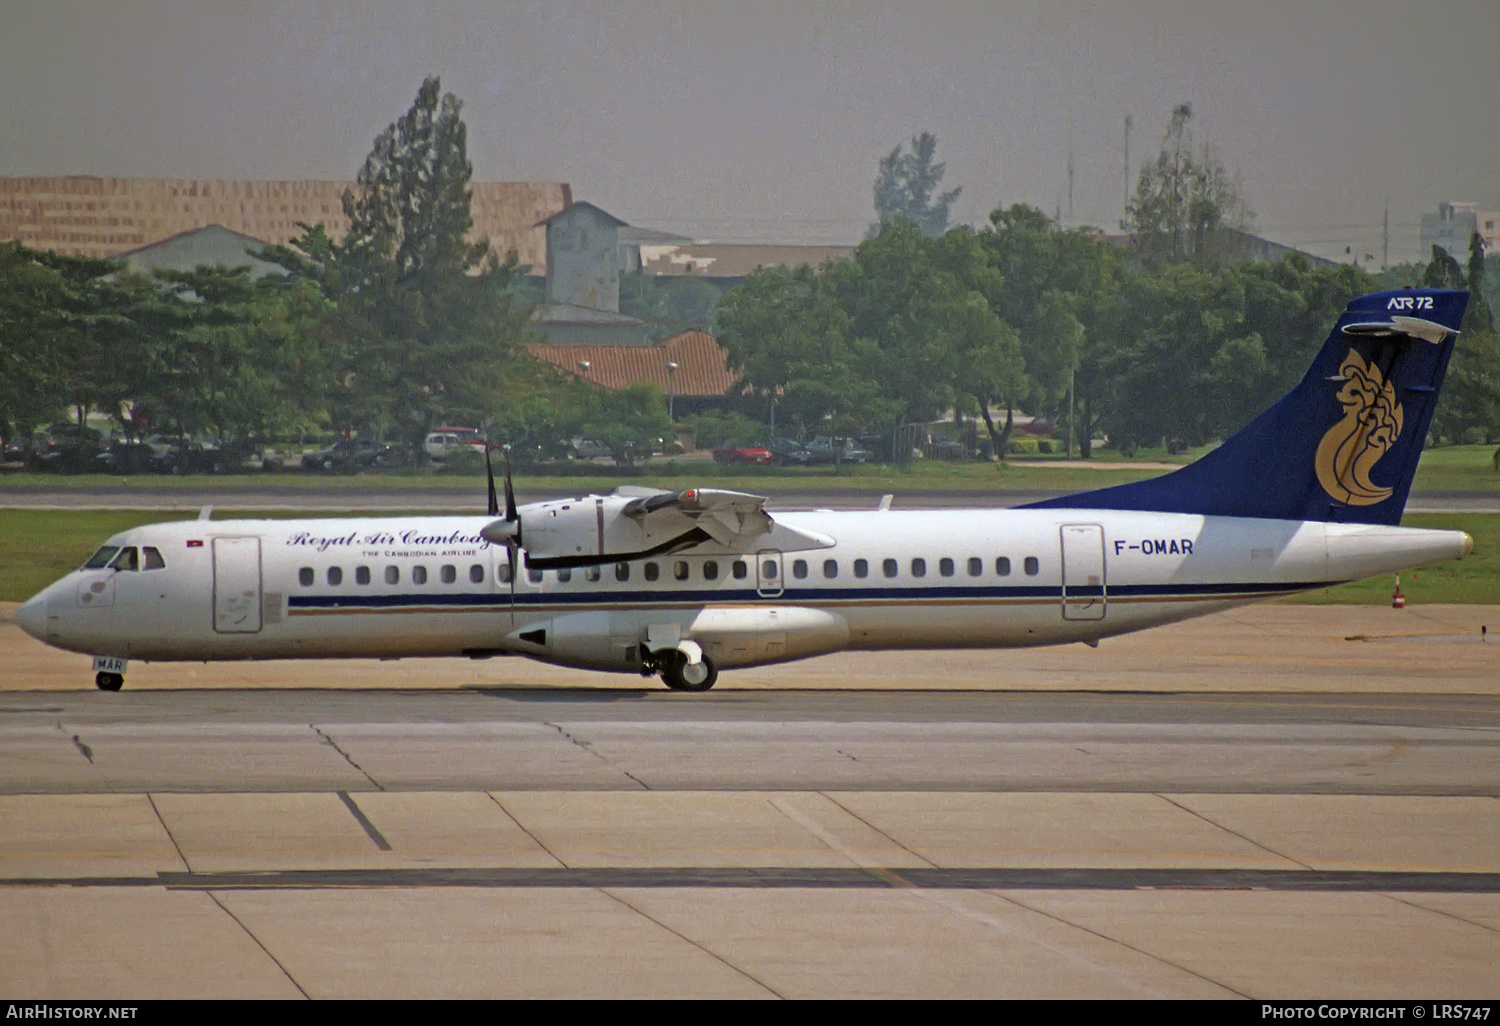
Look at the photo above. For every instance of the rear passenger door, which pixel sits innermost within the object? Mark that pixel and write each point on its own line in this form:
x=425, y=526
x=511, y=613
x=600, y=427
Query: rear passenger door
x=1083, y=584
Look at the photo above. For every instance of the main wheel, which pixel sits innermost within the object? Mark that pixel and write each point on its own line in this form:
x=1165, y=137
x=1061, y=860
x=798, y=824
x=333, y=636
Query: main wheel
x=680, y=675
x=109, y=681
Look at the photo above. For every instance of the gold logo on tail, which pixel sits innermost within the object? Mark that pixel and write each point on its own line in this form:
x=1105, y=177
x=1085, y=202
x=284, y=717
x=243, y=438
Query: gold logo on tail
x=1371, y=425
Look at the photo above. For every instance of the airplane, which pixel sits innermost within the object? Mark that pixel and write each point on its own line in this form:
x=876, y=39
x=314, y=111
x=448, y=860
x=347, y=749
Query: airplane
x=684, y=584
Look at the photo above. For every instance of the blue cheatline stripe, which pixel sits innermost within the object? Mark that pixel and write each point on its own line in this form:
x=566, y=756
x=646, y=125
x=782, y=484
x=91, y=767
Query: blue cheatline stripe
x=795, y=596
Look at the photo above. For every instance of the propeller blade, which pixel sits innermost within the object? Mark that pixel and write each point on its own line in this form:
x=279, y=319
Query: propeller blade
x=510, y=495
x=489, y=471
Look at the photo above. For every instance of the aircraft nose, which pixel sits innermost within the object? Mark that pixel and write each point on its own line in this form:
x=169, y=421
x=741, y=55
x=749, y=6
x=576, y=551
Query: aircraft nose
x=32, y=617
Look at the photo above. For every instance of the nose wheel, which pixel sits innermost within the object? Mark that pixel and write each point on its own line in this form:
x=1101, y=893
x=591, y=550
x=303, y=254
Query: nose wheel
x=109, y=681
x=680, y=675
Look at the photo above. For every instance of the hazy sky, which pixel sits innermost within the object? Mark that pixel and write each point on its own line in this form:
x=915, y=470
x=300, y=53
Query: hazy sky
x=765, y=121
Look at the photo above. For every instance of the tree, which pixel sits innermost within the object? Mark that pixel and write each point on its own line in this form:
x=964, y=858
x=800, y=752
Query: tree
x=32, y=377
x=429, y=319
x=1470, y=401
x=670, y=304
x=629, y=422
x=906, y=185
x=786, y=331
x=1054, y=288
x=244, y=359
x=1182, y=200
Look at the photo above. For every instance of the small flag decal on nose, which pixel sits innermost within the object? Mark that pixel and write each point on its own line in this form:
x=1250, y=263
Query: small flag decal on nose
x=195, y=543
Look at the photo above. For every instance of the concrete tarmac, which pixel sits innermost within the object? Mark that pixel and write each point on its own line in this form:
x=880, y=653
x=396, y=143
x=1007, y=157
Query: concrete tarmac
x=1250, y=805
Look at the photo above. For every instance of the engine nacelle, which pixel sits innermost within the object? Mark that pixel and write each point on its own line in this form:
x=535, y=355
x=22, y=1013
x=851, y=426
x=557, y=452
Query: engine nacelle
x=597, y=529
x=619, y=640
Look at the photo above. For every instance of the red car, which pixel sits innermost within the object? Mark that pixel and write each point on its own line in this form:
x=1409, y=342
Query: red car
x=729, y=452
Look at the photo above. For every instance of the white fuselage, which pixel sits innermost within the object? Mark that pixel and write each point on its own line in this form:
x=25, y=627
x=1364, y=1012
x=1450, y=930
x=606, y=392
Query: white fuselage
x=432, y=586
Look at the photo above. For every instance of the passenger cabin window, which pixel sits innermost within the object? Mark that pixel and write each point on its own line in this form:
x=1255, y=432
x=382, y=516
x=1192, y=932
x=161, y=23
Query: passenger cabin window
x=976, y=566
x=888, y=567
x=830, y=568
x=361, y=575
x=533, y=575
x=151, y=558
x=393, y=575
x=741, y=570
x=503, y=573
x=652, y=571
x=564, y=575
x=768, y=569
x=335, y=576
x=100, y=559
x=128, y=559
x=622, y=571
x=861, y=568
x=419, y=574
x=799, y=569
x=1032, y=566
x=591, y=573
x=680, y=570
x=710, y=570
x=448, y=574
x=306, y=576
x=919, y=567
x=1002, y=566
x=945, y=567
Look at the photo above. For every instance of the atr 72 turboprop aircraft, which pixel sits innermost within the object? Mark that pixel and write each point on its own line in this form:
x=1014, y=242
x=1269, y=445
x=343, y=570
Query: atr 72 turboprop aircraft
x=684, y=584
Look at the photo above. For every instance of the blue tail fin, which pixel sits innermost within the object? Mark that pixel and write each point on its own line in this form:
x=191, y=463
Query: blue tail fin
x=1341, y=446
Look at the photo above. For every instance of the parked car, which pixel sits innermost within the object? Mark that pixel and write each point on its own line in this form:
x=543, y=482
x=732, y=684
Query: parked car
x=587, y=449
x=947, y=449
x=733, y=452
x=65, y=448
x=122, y=457
x=787, y=453
x=444, y=442
x=349, y=455
x=192, y=456
x=823, y=451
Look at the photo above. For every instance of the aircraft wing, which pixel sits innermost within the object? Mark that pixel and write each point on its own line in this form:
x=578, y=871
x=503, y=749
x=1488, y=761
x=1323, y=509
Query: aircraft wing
x=722, y=515
x=635, y=522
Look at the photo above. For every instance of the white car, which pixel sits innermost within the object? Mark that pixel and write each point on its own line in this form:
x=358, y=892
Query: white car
x=441, y=444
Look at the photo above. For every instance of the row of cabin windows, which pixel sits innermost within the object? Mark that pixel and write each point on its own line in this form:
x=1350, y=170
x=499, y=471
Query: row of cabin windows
x=447, y=573
x=681, y=571
x=946, y=567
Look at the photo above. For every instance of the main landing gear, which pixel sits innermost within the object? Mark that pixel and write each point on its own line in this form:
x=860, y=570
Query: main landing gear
x=109, y=681
x=680, y=675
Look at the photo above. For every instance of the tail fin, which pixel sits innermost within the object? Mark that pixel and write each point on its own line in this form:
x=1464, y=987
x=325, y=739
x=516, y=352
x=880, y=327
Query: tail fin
x=1341, y=446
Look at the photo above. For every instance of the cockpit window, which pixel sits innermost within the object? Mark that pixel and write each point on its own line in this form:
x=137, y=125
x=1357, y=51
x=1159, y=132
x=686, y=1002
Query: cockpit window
x=151, y=558
x=128, y=559
x=100, y=559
